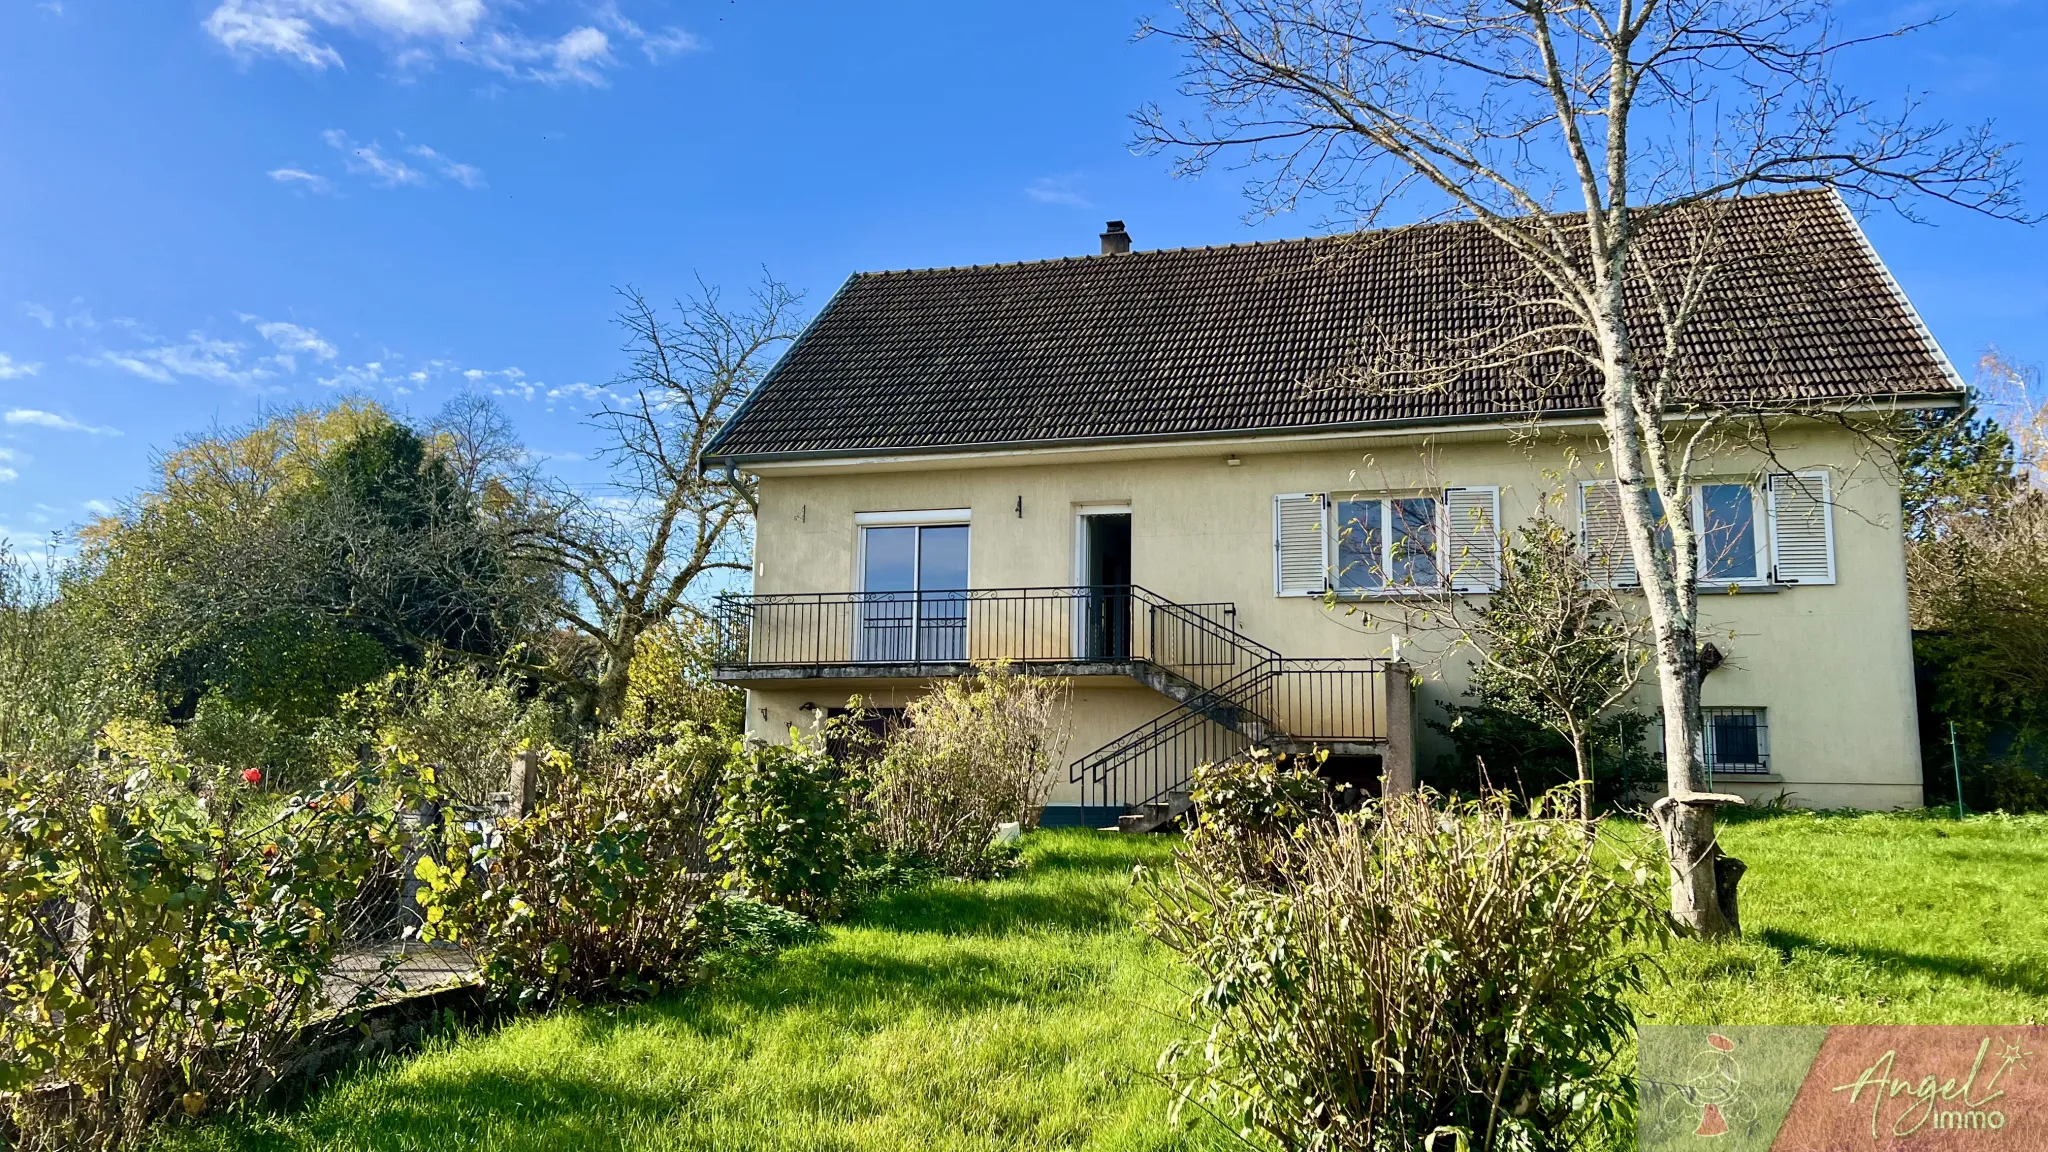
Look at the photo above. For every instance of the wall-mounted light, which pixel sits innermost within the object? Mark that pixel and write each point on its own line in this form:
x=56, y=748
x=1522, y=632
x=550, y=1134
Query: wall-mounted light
x=1020, y=507
x=1232, y=460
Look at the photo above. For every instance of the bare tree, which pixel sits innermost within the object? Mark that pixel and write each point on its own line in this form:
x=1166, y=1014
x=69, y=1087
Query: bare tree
x=635, y=552
x=481, y=447
x=1601, y=142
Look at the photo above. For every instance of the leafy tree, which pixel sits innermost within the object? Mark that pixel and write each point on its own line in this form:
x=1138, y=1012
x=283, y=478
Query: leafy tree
x=402, y=553
x=1554, y=647
x=279, y=566
x=1954, y=462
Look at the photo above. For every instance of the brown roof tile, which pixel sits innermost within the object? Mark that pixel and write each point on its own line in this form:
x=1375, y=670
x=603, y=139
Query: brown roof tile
x=1256, y=338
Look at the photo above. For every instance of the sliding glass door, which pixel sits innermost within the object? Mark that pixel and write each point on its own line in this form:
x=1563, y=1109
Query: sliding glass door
x=914, y=594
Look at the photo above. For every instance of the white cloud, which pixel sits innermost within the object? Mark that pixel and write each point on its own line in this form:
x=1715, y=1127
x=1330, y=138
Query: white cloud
x=657, y=46
x=42, y=419
x=200, y=357
x=467, y=175
x=9, y=458
x=39, y=314
x=251, y=27
x=302, y=179
x=203, y=357
x=386, y=170
x=291, y=338
x=369, y=160
x=10, y=369
x=416, y=33
x=98, y=507
x=1062, y=190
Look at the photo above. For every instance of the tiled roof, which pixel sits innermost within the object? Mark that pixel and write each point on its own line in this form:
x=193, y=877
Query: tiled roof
x=1261, y=338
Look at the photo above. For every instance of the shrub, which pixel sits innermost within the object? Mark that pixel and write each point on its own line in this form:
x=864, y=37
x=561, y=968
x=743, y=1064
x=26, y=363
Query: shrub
x=1415, y=969
x=788, y=827
x=457, y=718
x=1495, y=750
x=597, y=893
x=1248, y=807
x=160, y=945
x=743, y=927
x=239, y=737
x=976, y=752
x=669, y=689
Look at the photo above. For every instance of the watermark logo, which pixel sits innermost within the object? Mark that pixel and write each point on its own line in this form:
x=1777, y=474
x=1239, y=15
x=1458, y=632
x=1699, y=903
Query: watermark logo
x=1847, y=1089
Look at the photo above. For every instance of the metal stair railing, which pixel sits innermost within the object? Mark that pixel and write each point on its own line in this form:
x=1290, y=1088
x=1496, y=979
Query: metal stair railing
x=1229, y=678
x=1159, y=757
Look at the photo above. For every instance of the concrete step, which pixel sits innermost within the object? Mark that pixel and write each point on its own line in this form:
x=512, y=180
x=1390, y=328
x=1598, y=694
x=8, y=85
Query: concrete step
x=1157, y=814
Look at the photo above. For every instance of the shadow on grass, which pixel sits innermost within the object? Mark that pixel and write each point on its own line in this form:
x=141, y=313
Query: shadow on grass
x=2029, y=979
x=505, y=1110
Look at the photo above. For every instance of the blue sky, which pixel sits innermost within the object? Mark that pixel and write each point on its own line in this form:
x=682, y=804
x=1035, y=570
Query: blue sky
x=212, y=206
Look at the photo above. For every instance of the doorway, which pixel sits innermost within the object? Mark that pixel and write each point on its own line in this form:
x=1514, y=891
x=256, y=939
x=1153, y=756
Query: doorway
x=1105, y=570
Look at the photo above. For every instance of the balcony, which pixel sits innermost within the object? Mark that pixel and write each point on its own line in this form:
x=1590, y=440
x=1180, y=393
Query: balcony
x=767, y=639
x=1231, y=693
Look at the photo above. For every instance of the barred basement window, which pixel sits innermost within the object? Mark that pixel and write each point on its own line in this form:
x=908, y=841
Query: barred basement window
x=1738, y=741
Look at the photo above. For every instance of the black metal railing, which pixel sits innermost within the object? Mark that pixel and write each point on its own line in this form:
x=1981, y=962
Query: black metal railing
x=1108, y=624
x=1335, y=701
x=1235, y=692
x=1274, y=701
x=1159, y=757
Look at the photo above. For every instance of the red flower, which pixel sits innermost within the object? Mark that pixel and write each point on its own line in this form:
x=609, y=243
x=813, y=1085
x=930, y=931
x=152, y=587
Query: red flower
x=1720, y=1042
x=253, y=775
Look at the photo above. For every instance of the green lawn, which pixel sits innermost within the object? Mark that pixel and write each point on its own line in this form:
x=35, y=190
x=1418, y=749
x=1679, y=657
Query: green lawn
x=1875, y=919
x=1027, y=1013
x=1020, y=1014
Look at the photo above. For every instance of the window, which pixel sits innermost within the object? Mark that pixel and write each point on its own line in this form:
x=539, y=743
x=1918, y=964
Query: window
x=1738, y=741
x=1387, y=542
x=1780, y=532
x=1365, y=544
x=913, y=603
x=1731, y=547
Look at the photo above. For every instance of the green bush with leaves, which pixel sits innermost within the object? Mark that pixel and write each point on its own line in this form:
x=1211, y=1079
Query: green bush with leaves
x=1496, y=750
x=975, y=752
x=458, y=718
x=164, y=933
x=1415, y=970
x=1248, y=807
x=789, y=828
x=597, y=893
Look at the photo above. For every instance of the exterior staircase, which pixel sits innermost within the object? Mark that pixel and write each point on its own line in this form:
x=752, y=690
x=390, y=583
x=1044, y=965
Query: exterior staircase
x=1231, y=694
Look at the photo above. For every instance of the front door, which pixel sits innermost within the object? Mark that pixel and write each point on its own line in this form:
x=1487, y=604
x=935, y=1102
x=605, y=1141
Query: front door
x=913, y=604
x=1106, y=573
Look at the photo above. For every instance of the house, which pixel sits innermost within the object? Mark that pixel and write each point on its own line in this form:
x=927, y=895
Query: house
x=1148, y=472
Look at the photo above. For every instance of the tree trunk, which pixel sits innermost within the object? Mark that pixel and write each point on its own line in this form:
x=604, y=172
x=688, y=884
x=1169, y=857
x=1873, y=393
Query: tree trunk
x=608, y=698
x=1585, y=770
x=1668, y=591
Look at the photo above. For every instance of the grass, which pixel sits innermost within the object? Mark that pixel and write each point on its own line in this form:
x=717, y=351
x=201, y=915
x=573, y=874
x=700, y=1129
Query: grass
x=1021, y=1014
x=1027, y=1013
x=1875, y=919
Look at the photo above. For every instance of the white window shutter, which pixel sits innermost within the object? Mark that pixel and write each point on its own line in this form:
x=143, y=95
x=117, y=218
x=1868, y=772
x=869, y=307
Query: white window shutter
x=1802, y=529
x=1604, y=535
x=1472, y=539
x=1301, y=545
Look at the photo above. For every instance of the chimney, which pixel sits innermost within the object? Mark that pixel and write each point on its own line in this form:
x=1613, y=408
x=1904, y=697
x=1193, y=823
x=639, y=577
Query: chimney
x=1115, y=241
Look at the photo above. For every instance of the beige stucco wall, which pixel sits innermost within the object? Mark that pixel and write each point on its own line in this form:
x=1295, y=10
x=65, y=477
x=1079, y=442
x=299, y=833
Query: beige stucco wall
x=1831, y=663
